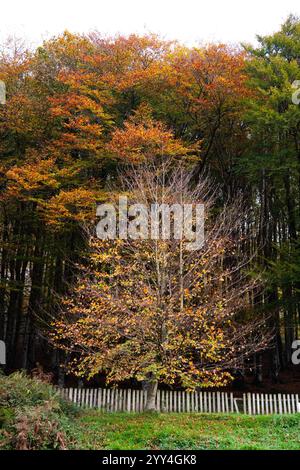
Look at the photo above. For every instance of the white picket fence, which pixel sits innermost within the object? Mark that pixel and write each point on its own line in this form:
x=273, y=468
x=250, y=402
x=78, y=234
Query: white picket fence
x=128, y=400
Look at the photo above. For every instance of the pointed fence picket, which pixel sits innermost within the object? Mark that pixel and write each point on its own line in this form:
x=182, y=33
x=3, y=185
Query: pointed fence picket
x=129, y=400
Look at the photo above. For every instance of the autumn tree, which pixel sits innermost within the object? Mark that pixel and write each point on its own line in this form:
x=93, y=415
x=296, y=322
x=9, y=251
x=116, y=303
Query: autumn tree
x=52, y=127
x=152, y=309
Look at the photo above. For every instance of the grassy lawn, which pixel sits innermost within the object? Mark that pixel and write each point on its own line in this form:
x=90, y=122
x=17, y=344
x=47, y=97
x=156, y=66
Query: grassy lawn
x=186, y=431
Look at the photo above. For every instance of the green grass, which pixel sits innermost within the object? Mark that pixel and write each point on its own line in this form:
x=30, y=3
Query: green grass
x=186, y=431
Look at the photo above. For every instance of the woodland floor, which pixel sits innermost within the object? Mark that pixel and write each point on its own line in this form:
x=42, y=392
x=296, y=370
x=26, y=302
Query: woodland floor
x=187, y=431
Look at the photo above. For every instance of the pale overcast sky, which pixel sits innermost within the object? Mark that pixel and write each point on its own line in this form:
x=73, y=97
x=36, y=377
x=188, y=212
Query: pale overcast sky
x=190, y=21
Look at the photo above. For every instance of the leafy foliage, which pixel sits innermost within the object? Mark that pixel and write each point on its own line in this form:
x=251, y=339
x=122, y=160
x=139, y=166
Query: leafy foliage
x=32, y=415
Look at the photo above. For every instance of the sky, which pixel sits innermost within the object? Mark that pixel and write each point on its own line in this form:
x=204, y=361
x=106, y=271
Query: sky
x=189, y=21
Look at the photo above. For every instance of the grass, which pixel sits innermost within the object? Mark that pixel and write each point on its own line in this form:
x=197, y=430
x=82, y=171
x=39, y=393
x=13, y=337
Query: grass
x=123, y=431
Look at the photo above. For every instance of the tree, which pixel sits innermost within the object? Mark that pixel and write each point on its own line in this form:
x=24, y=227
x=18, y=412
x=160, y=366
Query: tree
x=144, y=139
x=52, y=140
x=271, y=170
x=153, y=310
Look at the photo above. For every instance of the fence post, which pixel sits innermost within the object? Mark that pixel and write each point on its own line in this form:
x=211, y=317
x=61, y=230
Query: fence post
x=83, y=397
x=193, y=402
x=172, y=398
x=226, y=403
x=99, y=397
x=262, y=403
x=270, y=404
x=223, y=402
x=257, y=404
x=231, y=402
x=200, y=401
x=179, y=401
x=298, y=403
x=235, y=405
x=209, y=402
x=284, y=403
x=293, y=403
x=244, y=404
x=253, y=404
x=218, y=402
x=91, y=403
x=79, y=396
x=86, y=401
x=249, y=403
x=128, y=400
x=113, y=400
x=75, y=396
x=196, y=402
x=288, y=404
x=204, y=402
x=275, y=403
x=279, y=403
x=121, y=400
x=167, y=400
x=187, y=395
x=133, y=395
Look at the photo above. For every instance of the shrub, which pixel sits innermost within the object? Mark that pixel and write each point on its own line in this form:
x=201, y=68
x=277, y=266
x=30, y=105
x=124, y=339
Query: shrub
x=33, y=415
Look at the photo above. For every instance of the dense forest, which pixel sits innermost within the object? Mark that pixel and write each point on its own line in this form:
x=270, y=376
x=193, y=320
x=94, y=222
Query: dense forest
x=80, y=108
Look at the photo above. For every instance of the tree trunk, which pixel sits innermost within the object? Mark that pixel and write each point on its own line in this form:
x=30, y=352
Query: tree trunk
x=151, y=395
